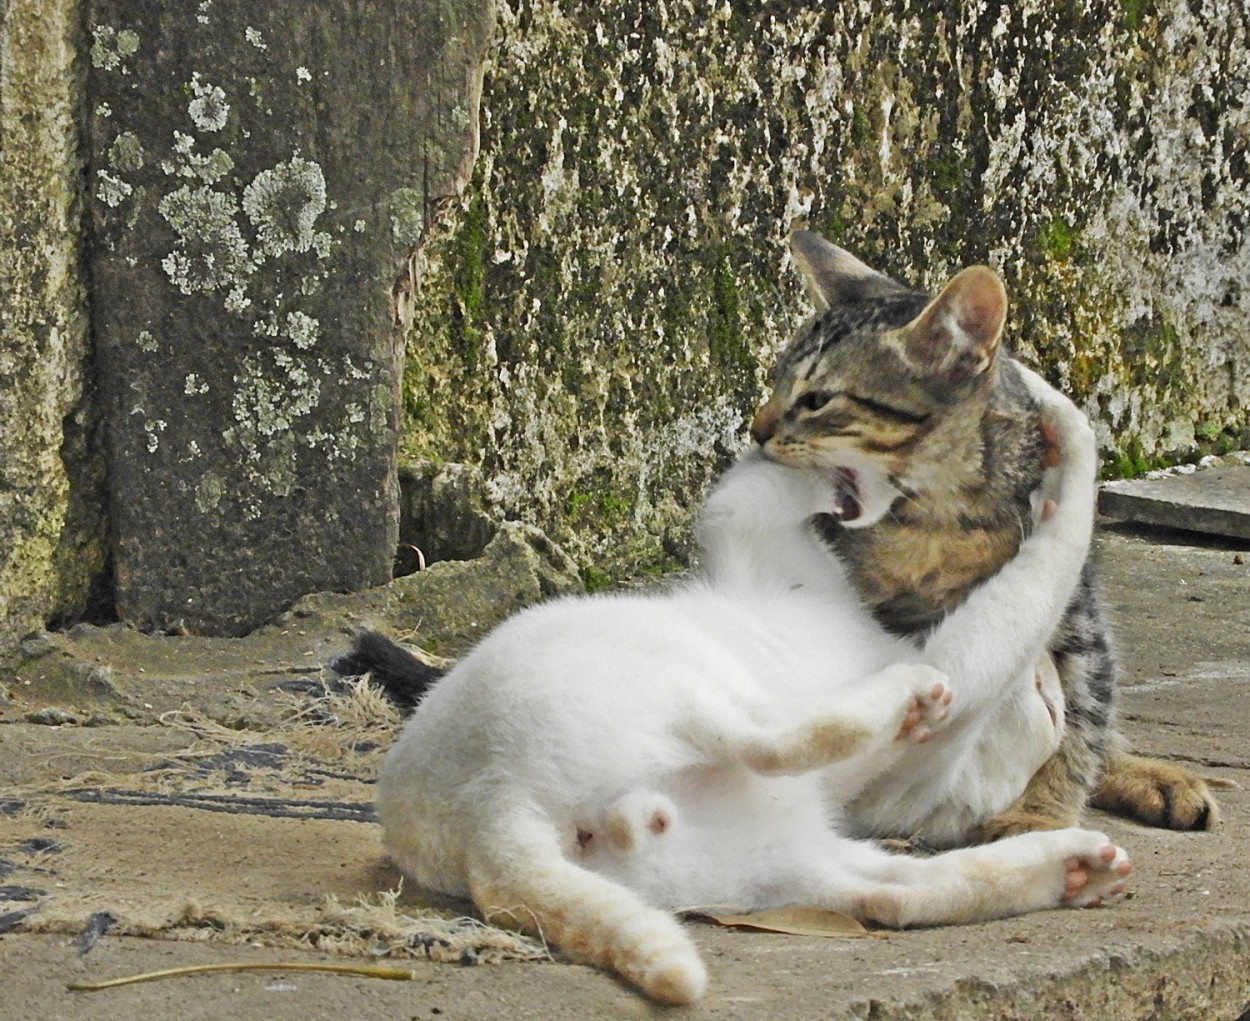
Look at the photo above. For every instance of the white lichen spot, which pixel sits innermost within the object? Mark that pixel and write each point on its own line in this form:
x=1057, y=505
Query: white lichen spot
x=110, y=190
x=407, y=215
x=302, y=330
x=110, y=48
x=153, y=429
x=126, y=153
x=266, y=404
x=209, y=492
x=186, y=162
x=237, y=300
x=210, y=253
x=104, y=110
x=208, y=109
x=303, y=74
x=147, y=343
x=194, y=386
x=254, y=37
x=193, y=449
x=283, y=204
x=359, y=226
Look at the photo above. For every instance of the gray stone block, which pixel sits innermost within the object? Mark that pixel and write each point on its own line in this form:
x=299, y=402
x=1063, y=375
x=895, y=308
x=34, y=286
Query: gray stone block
x=258, y=175
x=1212, y=500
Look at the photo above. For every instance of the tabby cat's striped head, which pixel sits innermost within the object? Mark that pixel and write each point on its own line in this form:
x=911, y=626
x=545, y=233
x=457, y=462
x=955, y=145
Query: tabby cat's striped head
x=886, y=385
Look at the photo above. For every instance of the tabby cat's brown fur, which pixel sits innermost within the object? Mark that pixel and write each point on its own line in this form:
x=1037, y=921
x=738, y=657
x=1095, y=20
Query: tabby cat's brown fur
x=969, y=452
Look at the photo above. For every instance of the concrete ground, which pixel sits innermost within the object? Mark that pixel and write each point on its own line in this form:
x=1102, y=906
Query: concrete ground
x=1179, y=947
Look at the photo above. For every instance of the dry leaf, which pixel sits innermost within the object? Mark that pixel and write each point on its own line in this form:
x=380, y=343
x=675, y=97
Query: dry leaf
x=792, y=921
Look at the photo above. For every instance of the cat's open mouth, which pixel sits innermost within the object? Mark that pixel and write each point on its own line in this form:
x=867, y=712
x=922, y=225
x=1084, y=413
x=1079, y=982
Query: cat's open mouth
x=847, y=505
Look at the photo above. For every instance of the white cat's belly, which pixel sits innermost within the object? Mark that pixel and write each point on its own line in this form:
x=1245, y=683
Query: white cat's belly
x=546, y=712
x=944, y=789
x=730, y=837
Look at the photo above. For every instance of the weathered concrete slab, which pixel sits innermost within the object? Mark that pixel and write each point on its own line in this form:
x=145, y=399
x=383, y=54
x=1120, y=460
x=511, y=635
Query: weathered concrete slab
x=258, y=174
x=1214, y=500
x=1178, y=950
x=96, y=676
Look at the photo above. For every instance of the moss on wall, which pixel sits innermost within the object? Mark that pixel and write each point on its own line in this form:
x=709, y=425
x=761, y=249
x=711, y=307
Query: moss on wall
x=594, y=322
x=51, y=526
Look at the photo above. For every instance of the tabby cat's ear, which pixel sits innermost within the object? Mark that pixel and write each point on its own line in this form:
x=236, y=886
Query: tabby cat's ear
x=833, y=275
x=957, y=334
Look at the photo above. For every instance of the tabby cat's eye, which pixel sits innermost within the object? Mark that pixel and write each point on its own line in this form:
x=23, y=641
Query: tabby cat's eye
x=813, y=400
x=889, y=410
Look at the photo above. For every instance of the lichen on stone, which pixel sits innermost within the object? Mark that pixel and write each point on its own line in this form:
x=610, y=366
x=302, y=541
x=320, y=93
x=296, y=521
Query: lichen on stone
x=211, y=253
x=110, y=190
x=208, y=108
x=126, y=154
x=407, y=208
x=110, y=48
x=185, y=162
x=301, y=329
x=283, y=204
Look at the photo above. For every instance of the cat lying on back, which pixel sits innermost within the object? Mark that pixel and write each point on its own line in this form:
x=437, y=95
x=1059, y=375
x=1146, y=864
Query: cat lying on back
x=955, y=428
x=596, y=762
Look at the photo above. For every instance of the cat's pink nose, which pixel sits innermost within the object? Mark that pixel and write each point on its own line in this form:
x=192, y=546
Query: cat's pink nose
x=764, y=424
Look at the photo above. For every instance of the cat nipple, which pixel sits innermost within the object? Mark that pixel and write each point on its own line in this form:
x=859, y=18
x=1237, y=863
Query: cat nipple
x=585, y=841
x=635, y=818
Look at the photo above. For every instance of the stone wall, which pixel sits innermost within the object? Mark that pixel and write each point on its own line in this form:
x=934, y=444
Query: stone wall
x=594, y=324
x=257, y=173
x=208, y=430
x=51, y=520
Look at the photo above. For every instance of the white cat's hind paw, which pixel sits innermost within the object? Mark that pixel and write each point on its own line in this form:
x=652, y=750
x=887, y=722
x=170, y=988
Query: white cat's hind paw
x=928, y=706
x=1096, y=875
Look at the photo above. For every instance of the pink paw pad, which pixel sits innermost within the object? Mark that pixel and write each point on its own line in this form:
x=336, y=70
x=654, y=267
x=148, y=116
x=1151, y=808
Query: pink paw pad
x=1091, y=880
x=925, y=712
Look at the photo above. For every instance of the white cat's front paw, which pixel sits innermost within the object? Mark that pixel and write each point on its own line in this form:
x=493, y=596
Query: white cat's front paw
x=928, y=706
x=1095, y=874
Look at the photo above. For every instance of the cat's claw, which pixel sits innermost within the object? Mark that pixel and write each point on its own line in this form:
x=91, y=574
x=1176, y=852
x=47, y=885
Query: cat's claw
x=1096, y=877
x=927, y=709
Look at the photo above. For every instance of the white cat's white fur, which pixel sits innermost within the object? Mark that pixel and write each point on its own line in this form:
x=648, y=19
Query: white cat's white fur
x=597, y=762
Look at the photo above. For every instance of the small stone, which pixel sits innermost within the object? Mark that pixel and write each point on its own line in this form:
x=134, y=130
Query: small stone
x=52, y=716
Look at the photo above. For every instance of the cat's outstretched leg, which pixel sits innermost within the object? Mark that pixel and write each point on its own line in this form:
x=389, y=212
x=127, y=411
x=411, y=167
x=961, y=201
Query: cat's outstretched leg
x=523, y=880
x=908, y=701
x=1035, y=871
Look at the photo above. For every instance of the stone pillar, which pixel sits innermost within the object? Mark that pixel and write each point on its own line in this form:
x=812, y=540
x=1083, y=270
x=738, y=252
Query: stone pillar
x=48, y=550
x=258, y=173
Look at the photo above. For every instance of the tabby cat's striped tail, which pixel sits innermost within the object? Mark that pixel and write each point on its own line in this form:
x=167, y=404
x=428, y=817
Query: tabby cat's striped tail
x=526, y=882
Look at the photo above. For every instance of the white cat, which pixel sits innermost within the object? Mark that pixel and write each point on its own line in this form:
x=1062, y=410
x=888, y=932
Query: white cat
x=596, y=762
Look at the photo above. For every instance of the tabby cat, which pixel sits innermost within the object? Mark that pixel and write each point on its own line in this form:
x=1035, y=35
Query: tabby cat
x=598, y=760
x=956, y=430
